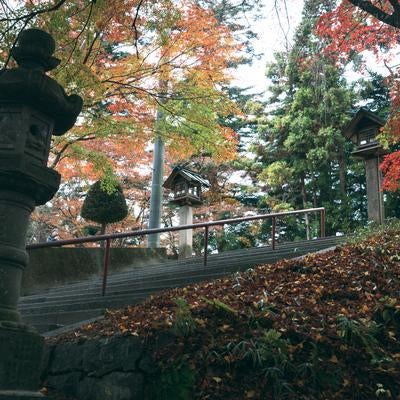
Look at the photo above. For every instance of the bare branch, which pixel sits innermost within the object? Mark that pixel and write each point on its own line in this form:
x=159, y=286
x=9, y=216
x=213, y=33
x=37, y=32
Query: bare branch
x=60, y=154
x=389, y=19
x=135, y=30
x=81, y=32
x=90, y=48
x=35, y=13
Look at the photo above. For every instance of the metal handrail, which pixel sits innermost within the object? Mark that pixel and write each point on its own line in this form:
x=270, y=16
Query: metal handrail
x=206, y=225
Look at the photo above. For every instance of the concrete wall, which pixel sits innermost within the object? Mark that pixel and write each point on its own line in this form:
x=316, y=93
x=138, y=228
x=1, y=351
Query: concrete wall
x=49, y=267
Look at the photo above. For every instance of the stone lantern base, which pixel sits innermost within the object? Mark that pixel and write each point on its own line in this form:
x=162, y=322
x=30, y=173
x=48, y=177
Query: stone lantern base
x=20, y=346
x=21, y=352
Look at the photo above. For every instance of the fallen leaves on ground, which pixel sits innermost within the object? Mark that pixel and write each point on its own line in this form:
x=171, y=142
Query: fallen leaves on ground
x=323, y=326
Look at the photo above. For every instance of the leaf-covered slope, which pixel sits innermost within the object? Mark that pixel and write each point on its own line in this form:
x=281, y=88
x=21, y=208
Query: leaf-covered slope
x=325, y=326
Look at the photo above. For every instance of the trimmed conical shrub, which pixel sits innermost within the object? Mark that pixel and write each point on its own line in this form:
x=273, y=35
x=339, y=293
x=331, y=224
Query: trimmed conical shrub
x=103, y=207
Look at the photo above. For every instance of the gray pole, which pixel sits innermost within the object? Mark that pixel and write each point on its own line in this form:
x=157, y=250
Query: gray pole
x=156, y=189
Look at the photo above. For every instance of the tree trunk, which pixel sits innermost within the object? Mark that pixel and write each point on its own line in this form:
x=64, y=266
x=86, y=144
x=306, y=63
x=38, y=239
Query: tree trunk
x=342, y=172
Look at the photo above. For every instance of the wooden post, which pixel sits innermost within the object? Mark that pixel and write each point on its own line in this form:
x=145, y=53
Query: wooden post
x=273, y=232
x=205, y=245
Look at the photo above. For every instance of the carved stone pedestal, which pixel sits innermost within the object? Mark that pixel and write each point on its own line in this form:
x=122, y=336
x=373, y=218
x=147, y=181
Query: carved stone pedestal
x=20, y=346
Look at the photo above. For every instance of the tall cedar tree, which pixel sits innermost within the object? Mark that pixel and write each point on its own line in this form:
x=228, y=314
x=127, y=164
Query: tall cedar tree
x=104, y=207
x=304, y=155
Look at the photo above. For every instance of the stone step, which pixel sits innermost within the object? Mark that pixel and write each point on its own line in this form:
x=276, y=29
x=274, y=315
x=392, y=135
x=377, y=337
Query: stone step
x=69, y=304
x=196, y=260
x=118, y=299
x=195, y=263
x=139, y=285
x=47, y=322
x=142, y=282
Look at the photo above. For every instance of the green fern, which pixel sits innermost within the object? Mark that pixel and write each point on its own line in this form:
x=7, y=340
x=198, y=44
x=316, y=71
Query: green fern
x=184, y=324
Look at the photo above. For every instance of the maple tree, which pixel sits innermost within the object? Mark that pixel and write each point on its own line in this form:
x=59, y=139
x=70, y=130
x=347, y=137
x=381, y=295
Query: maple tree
x=128, y=59
x=355, y=26
x=181, y=41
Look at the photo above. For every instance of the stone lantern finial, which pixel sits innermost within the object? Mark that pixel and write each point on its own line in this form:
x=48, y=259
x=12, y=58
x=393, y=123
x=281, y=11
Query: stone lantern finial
x=28, y=84
x=35, y=48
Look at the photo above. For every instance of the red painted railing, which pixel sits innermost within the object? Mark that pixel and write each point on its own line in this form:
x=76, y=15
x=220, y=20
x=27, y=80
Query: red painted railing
x=205, y=225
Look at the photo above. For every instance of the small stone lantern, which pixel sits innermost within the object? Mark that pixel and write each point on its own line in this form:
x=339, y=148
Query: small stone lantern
x=32, y=108
x=362, y=130
x=186, y=187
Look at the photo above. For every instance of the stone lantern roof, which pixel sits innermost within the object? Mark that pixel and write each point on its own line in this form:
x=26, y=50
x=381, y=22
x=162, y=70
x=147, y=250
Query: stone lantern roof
x=29, y=85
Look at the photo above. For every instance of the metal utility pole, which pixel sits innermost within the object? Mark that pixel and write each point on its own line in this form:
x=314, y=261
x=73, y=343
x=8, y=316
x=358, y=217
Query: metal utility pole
x=156, y=188
x=156, y=196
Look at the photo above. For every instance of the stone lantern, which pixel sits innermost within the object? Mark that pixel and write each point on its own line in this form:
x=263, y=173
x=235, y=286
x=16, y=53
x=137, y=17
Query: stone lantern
x=362, y=130
x=186, y=188
x=32, y=108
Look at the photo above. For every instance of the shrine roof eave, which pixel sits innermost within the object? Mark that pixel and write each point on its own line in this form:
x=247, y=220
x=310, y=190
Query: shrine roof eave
x=361, y=114
x=369, y=151
x=186, y=174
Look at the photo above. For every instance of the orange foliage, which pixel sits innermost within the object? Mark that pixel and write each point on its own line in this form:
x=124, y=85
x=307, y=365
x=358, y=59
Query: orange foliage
x=348, y=29
x=175, y=57
x=391, y=170
x=186, y=59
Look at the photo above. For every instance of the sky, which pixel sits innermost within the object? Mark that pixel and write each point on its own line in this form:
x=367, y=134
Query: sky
x=275, y=34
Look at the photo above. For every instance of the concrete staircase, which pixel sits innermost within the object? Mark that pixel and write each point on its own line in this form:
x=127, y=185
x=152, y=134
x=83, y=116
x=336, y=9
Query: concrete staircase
x=75, y=302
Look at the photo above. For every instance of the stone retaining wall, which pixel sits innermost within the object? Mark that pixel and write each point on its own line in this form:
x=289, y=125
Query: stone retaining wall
x=116, y=368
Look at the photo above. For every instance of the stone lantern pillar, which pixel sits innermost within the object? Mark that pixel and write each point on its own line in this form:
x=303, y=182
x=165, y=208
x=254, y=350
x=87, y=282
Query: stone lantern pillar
x=32, y=108
x=362, y=131
x=186, y=186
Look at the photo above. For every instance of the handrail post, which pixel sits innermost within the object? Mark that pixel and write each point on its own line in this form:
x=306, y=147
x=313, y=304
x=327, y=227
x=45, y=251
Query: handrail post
x=308, y=228
x=323, y=223
x=273, y=230
x=105, y=266
x=205, y=245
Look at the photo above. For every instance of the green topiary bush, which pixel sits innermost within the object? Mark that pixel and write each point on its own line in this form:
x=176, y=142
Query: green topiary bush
x=104, y=207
